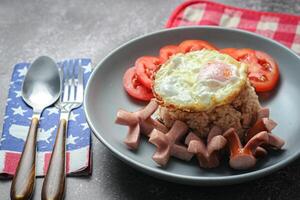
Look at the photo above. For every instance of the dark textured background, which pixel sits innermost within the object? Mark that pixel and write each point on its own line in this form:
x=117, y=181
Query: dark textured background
x=68, y=29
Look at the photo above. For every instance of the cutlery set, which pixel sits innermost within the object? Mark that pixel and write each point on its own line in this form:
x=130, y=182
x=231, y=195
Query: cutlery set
x=45, y=84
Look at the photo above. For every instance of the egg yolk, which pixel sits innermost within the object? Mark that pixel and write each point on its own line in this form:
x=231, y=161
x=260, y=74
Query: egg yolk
x=216, y=71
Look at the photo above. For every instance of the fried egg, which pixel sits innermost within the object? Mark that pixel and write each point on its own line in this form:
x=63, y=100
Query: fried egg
x=199, y=80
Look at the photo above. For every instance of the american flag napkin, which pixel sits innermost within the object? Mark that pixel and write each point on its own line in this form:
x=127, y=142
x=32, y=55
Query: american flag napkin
x=284, y=28
x=17, y=120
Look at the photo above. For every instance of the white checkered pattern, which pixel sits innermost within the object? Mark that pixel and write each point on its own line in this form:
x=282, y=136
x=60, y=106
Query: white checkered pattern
x=230, y=18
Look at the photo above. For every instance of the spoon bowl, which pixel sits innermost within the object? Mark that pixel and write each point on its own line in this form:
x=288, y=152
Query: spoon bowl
x=41, y=86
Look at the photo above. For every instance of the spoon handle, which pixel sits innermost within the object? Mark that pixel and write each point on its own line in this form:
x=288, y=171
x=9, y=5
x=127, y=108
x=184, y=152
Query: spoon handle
x=23, y=182
x=54, y=183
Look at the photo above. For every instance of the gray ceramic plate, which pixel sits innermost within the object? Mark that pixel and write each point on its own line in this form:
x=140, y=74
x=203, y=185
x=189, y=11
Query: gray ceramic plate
x=105, y=94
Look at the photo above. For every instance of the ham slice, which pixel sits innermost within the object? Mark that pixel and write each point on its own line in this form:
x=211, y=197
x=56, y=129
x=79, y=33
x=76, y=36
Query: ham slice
x=139, y=122
x=260, y=152
x=207, y=152
x=263, y=113
x=168, y=144
x=263, y=124
x=207, y=155
x=275, y=141
x=245, y=157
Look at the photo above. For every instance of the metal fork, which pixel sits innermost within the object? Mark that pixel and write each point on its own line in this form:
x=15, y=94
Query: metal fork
x=72, y=97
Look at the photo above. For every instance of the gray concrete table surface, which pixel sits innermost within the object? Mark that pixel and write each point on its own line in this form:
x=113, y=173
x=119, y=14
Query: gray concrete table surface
x=69, y=29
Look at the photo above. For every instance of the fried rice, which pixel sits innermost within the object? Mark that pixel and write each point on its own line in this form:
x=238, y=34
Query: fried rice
x=239, y=114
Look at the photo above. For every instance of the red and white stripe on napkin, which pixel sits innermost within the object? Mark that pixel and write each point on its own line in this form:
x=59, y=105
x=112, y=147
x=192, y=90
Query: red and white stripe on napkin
x=76, y=162
x=284, y=28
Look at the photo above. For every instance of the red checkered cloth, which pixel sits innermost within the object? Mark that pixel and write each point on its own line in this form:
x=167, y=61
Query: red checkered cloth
x=284, y=28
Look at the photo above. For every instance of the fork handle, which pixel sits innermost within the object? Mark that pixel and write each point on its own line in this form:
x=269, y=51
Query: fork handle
x=23, y=182
x=54, y=183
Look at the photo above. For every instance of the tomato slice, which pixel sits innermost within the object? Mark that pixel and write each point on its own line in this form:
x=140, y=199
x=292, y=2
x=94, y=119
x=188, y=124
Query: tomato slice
x=145, y=69
x=167, y=51
x=228, y=51
x=263, y=71
x=245, y=55
x=194, y=45
x=134, y=88
x=265, y=74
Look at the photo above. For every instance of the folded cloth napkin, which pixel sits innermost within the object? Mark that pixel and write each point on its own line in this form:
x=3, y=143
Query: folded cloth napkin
x=17, y=120
x=284, y=28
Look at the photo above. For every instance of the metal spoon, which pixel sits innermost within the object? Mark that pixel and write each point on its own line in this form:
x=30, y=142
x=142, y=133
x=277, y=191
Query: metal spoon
x=41, y=88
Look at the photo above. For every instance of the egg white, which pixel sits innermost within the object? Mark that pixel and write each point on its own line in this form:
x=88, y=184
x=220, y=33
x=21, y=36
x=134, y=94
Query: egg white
x=183, y=82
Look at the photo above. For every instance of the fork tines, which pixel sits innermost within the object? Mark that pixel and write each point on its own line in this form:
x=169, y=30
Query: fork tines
x=72, y=81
